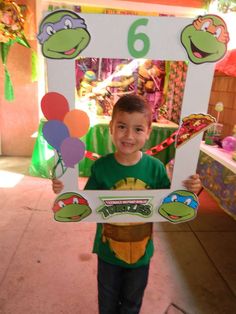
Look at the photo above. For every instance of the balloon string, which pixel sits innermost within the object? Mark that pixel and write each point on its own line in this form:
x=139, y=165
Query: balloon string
x=59, y=163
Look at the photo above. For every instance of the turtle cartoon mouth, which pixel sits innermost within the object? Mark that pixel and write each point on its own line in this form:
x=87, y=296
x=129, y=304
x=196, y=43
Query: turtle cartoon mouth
x=174, y=217
x=198, y=53
x=74, y=217
x=70, y=51
x=71, y=217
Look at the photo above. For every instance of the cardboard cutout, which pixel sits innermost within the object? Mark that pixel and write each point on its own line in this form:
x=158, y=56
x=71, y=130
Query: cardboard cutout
x=179, y=206
x=64, y=35
x=70, y=207
x=206, y=39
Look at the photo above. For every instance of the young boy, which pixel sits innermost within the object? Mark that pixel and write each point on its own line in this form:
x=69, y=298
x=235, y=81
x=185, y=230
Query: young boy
x=124, y=250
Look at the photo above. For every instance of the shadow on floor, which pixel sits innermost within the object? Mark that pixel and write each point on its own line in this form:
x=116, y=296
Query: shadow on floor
x=47, y=267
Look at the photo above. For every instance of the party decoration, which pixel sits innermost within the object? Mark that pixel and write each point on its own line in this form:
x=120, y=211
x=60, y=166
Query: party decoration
x=72, y=151
x=139, y=37
x=71, y=207
x=77, y=122
x=150, y=83
x=55, y=132
x=11, y=31
x=54, y=106
x=179, y=206
x=213, y=134
x=175, y=78
x=234, y=130
x=234, y=156
x=205, y=40
x=63, y=34
x=227, y=65
x=219, y=107
x=229, y=143
x=63, y=130
x=190, y=127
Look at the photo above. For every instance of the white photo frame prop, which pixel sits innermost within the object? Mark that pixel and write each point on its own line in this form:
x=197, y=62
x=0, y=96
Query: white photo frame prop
x=129, y=37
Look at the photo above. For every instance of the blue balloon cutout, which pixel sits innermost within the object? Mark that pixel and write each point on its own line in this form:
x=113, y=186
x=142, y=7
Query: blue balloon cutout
x=55, y=131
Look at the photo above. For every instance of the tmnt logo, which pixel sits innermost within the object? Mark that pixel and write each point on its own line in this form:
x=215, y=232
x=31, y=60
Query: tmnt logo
x=206, y=39
x=71, y=207
x=112, y=207
x=63, y=35
x=179, y=206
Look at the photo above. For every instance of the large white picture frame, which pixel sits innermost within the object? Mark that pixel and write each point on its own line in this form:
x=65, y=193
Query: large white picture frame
x=115, y=36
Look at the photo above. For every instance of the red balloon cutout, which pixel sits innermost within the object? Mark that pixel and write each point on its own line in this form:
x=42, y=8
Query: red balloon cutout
x=54, y=106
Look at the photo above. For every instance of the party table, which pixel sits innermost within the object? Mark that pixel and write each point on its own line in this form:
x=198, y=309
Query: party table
x=218, y=174
x=97, y=141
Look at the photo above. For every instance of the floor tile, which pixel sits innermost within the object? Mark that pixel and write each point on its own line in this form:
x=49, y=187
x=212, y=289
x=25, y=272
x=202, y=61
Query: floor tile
x=211, y=217
x=47, y=266
x=53, y=270
x=182, y=274
x=221, y=249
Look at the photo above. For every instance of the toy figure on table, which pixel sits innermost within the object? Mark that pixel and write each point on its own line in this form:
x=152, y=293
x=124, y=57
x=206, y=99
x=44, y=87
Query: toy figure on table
x=87, y=96
x=122, y=83
x=150, y=83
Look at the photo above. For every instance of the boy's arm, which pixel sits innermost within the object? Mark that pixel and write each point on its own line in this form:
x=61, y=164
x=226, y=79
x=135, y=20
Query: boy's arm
x=193, y=184
x=57, y=185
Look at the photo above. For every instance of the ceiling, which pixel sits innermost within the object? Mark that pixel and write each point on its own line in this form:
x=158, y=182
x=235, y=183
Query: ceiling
x=190, y=8
x=180, y=3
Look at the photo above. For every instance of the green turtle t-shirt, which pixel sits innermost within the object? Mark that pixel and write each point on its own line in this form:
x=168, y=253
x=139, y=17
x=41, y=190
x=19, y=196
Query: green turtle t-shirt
x=107, y=174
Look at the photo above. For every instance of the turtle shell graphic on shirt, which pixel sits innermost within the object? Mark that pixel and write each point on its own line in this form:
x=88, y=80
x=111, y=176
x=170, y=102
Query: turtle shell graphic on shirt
x=130, y=184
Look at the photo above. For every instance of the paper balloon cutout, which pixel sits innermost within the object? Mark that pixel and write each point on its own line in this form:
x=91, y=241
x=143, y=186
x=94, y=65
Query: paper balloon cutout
x=77, y=122
x=55, y=132
x=72, y=151
x=54, y=106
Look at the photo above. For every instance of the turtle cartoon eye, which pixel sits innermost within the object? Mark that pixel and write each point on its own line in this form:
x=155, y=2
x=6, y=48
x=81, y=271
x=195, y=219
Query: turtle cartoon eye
x=187, y=201
x=205, y=26
x=68, y=24
x=50, y=30
x=218, y=32
x=174, y=198
x=75, y=200
x=61, y=204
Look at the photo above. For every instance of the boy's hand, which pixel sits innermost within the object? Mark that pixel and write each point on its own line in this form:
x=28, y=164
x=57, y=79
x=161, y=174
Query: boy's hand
x=193, y=184
x=57, y=186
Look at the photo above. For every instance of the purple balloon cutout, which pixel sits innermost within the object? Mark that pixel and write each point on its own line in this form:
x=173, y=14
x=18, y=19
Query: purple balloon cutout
x=72, y=151
x=55, y=131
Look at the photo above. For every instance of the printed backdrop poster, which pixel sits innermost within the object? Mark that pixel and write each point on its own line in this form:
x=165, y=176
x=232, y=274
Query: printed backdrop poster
x=65, y=35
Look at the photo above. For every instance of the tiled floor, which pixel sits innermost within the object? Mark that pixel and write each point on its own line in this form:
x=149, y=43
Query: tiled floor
x=47, y=267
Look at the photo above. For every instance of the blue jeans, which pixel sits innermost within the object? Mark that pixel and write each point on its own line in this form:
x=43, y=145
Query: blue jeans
x=120, y=289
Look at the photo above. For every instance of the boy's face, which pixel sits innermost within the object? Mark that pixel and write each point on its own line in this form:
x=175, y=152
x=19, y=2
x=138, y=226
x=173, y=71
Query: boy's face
x=129, y=131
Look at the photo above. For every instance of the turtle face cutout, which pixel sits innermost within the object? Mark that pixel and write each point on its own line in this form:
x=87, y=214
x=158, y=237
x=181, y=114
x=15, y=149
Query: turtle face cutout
x=206, y=39
x=71, y=207
x=63, y=35
x=179, y=206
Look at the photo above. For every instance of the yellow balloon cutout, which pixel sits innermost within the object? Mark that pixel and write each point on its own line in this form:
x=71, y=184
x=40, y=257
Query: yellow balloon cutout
x=77, y=122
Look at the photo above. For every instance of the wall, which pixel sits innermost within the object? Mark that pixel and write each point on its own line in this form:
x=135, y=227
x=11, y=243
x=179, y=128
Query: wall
x=224, y=90
x=19, y=118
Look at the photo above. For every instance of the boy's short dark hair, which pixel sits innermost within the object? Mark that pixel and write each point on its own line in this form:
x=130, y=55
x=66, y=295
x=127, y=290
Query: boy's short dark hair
x=133, y=103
